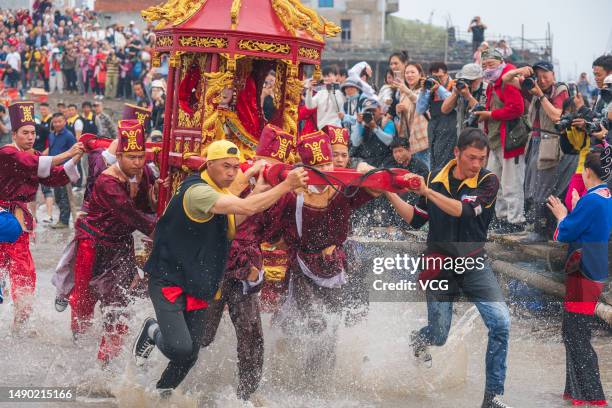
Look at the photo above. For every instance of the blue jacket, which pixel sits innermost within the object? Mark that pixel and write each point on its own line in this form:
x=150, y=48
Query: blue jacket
x=10, y=229
x=587, y=230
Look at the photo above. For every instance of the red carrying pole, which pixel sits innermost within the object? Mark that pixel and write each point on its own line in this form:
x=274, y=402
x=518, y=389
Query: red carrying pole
x=167, y=142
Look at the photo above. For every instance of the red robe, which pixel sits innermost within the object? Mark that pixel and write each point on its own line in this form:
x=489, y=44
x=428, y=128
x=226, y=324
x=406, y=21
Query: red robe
x=324, y=226
x=105, y=260
x=19, y=179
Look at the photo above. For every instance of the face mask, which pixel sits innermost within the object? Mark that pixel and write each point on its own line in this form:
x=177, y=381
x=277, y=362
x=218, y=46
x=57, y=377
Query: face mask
x=493, y=74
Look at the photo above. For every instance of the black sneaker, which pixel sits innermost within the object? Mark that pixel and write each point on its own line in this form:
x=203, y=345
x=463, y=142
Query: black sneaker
x=420, y=349
x=144, y=344
x=61, y=303
x=493, y=401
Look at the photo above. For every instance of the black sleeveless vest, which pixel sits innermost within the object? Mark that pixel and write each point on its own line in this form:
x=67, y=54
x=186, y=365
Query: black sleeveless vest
x=188, y=253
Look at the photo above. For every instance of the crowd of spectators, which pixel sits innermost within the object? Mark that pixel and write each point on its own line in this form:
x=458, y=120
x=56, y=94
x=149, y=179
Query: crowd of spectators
x=70, y=51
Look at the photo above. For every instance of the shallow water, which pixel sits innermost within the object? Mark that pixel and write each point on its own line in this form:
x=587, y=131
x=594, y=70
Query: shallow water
x=374, y=367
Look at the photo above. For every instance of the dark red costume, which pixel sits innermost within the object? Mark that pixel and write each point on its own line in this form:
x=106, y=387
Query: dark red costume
x=105, y=263
x=20, y=174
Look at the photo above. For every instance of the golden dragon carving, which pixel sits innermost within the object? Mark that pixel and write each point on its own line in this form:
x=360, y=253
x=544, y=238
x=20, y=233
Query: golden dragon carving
x=295, y=16
x=173, y=12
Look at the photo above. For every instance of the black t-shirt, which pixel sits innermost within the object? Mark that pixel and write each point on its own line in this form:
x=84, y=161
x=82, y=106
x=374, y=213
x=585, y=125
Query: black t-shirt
x=466, y=234
x=478, y=33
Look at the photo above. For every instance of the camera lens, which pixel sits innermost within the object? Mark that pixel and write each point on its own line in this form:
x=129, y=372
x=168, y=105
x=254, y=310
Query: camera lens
x=529, y=83
x=429, y=83
x=461, y=85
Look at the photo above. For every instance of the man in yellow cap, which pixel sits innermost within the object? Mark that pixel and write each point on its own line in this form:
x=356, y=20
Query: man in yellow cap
x=189, y=256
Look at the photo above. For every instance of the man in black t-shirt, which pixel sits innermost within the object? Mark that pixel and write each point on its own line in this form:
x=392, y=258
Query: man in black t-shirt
x=458, y=203
x=477, y=28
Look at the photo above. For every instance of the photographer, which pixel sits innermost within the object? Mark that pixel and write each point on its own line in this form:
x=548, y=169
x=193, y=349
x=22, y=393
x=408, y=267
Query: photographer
x=469, y=91
x=370, y=138
x=548, y=171
x=328, y=101
x=507, y=140
x=412, y=126
x=362, y=72
x=442, y=127
x=477, y=28
x=574, y=141
x=354, y=99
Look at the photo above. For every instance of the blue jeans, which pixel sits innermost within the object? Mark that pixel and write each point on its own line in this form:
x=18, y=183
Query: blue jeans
x=482, y=289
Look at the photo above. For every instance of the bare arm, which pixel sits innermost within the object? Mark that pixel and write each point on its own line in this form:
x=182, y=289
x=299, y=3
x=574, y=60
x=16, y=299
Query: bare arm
x=450, y=103
x=404, y=210
x=75, y=152
x=256, y=203
x=450, y=206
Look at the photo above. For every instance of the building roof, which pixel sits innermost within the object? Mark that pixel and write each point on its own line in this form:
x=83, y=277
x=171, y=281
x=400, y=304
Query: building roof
x=287, y=19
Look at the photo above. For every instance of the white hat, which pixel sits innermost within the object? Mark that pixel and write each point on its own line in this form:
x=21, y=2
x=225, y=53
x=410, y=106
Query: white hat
x=132, y=22
x=158, y=84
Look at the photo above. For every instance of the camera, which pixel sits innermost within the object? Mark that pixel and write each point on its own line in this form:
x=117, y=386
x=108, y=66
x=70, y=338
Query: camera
x=472, y=119
x=332, y=87
x=529, y=83
x=430, y=82
x=463, y=83
x=572, y=89
x=565, y=122
x=368, y=116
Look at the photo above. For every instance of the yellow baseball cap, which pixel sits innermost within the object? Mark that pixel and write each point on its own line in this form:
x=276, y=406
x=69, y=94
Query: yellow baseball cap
x=222, y=149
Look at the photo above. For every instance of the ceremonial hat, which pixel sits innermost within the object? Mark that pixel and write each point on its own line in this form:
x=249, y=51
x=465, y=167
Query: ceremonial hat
x=131, y=137
x=338, y=136
x=136, y=112
x=315, y=149
x=21, y=114
x=275, y=143
x=222, y=149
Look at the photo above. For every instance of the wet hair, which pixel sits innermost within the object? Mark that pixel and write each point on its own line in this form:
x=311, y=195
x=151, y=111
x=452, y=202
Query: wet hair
x=605, y=61
x=472, y=137
x=436, y=66
x=400, y=55
x=332, y=69
x=593, y=162
x=399, y=142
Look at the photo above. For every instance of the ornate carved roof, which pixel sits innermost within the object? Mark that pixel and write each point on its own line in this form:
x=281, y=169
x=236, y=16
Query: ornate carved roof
x=278, y=18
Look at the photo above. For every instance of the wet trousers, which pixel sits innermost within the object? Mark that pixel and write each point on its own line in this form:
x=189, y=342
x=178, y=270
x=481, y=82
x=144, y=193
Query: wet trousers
x=244, y=313
x=16, y=260
x=179, y=336
x=582, y=379
x=83, y=301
